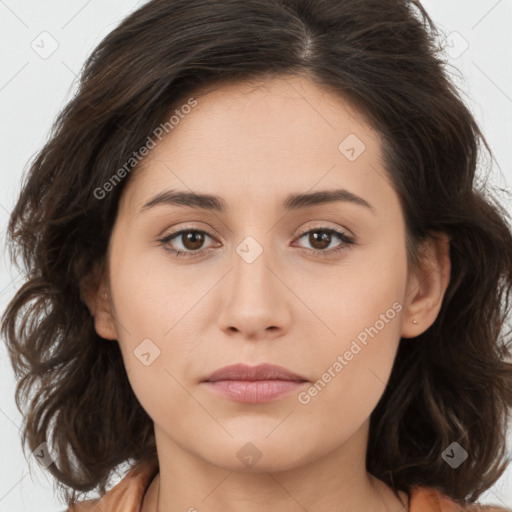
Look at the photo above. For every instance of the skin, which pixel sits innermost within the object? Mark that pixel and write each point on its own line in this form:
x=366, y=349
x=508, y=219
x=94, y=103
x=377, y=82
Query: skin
x=253, y=144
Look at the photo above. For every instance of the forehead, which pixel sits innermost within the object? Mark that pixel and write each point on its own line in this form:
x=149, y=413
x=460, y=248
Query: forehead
x=281, y=110
x=248, y=139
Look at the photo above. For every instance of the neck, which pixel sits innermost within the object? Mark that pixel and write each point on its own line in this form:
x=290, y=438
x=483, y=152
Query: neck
x=385, y=500
x=337, y=482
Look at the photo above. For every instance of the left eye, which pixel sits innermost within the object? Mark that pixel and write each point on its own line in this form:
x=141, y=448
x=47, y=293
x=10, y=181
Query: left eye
x=321, y=238
x=192, y=241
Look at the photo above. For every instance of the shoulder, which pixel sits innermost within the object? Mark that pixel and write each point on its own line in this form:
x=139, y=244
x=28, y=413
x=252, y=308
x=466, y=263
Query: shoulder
x=126, y=496
x=428, y=499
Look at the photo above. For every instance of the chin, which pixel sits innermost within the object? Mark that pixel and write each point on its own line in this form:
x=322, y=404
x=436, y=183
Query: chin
x=255, y=454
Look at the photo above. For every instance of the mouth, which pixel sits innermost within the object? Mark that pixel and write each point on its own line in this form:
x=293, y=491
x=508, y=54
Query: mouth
x=254, y=384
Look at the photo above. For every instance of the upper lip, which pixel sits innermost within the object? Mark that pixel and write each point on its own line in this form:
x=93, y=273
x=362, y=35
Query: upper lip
x=260, y=372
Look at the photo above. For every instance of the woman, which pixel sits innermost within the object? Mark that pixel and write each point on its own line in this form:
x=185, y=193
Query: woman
x=261, y=270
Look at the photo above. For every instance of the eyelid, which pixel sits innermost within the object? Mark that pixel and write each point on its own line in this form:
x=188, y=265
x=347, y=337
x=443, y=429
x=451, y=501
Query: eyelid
x=185, y=229
x=188, y=226
x=322, y=226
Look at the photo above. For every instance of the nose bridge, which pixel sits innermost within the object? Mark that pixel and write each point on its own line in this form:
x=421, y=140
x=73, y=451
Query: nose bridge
x=254, y=300
x=251, y=276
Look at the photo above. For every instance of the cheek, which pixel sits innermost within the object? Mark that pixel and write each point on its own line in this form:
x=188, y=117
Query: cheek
x=151, y=294
x=351, y=297
x=151, y=306
x=353, y=368
x=151, y=312
x=361, y=307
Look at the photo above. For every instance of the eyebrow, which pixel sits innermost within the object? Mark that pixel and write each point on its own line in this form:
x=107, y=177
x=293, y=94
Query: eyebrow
x=292, y=202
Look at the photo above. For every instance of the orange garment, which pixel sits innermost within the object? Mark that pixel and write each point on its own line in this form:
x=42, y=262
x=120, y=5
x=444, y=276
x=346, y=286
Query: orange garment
x=128, y=495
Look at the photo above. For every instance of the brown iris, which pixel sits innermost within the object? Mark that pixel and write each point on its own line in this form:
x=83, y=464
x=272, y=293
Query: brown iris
x=325, y=236
x=193, y=240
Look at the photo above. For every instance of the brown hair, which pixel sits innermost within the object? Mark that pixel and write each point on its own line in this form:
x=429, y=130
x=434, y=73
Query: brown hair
x=451, y=384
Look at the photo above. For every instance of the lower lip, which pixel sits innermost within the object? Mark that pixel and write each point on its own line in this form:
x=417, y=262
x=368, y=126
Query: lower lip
x=254, y=391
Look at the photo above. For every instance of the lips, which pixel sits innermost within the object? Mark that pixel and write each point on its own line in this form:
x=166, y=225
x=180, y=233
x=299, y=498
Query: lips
x=254, y=384
x=265, y=372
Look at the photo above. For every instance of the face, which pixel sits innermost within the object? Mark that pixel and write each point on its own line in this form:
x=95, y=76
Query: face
x=317, y=287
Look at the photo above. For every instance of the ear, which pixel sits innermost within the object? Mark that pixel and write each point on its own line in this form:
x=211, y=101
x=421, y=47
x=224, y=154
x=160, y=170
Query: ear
x=95, y=293
x=427, y=285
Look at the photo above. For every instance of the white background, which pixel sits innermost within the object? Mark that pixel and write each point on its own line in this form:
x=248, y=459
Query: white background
x=34, y=89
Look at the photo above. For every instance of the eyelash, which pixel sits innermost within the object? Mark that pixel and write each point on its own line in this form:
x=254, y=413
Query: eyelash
x=347, y=242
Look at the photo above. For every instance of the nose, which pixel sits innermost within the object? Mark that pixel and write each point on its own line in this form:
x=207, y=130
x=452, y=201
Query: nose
x=255, y=302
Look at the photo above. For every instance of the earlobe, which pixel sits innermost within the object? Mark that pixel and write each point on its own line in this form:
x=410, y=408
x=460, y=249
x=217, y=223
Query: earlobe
x=95, y=295
x=103, y=318
x=427, y=286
